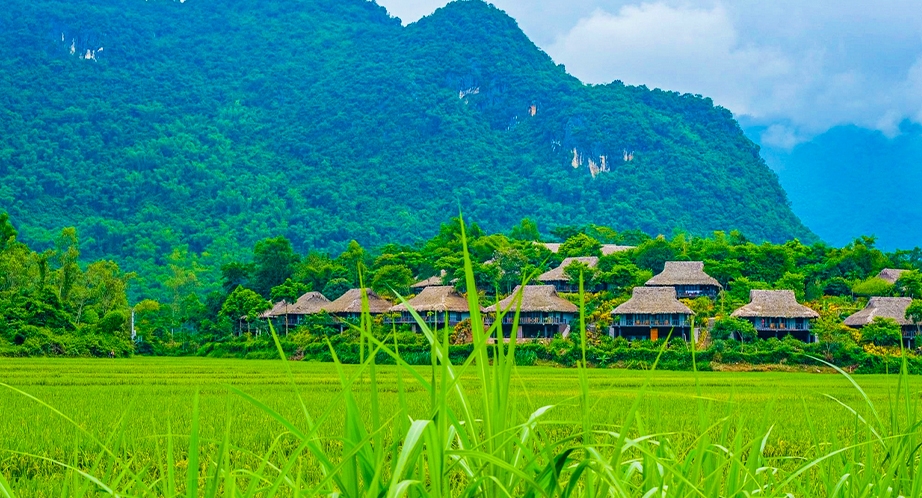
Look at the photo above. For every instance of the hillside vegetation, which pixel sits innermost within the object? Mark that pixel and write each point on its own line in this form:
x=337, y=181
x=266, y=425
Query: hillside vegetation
x=169, y=130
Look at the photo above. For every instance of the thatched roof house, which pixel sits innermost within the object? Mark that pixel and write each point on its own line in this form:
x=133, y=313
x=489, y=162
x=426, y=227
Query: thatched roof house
x=433, y=281
x=542, y=313
x=653, y=301
x=688, y=278
x=308, y=304
x=350, y=303
x=891, y=275
x=440, y=298
x=535, y=299
x=558, y=275
x=886, y=307
x=607, y=249
x=278, y=309
x=683, y=273
x=558, y=278
x=774, y=304
x=554, y=247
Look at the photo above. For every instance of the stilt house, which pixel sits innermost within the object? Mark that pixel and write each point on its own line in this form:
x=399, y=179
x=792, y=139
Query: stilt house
x=652, y=313
x=438, y=306
x=688, y=279
x=558, y=278
x=887, y=307
x=776, y=313
x=542, y=313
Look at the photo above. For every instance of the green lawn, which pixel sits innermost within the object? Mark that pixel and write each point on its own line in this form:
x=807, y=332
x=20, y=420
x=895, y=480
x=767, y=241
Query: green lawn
x=139, y=400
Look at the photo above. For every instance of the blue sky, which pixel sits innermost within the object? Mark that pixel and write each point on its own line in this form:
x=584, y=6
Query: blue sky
x=793, y=68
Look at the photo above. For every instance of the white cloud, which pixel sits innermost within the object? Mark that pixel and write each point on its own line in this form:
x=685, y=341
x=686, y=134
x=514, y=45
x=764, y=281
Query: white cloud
x=677, y=48
x=809, y=65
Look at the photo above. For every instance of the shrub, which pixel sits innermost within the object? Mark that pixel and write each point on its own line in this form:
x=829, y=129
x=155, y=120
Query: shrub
x=882, y=332
x=734, y=328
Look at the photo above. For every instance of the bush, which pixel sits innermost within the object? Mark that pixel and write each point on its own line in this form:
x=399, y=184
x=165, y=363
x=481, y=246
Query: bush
x=734, y=328
x=882, y=332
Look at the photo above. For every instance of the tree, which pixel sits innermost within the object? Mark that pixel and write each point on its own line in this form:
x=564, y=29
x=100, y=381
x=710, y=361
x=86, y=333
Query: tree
x=882, y=332
x=909, y=284
x=653, y=254
x=580, y=245
x=244, y=304
x=590, y=275
x=289, y=291
x=234, y=275
x=734, y=328
x=794, y=282
x=837, y=286
x=273, y=262
x=353, y=260
x=873, y=286
x=526, y=230
x=336, y=288
x=392, y=279
x=7, y=232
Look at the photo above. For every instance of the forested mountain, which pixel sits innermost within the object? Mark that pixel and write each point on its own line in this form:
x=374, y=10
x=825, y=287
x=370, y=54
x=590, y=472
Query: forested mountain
x=181, y=132
x=853, y=181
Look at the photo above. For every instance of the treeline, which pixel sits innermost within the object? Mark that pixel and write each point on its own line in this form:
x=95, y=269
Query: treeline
x=53, y=304
x=51, y=296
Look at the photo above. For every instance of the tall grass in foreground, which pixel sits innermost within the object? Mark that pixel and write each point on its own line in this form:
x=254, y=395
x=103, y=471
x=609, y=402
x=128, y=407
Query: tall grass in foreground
x=472, y=442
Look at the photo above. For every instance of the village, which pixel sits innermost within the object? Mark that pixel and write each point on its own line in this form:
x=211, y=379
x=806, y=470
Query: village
x=540, y=312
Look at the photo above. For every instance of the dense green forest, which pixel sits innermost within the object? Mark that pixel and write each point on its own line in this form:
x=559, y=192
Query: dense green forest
x=181, y=133
x=53, y=303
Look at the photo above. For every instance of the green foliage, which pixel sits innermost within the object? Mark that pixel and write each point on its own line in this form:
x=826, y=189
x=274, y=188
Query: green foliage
x=909, y=284
x=392, y=280
x=526, y=230
x=243, y=305
x=873, y=286
x=882, y=332
x=914, y=312
x=336, y=287
x=794, y=282
x=580, y=245
x=299, y=142
x=733, y=328
x=288, y=291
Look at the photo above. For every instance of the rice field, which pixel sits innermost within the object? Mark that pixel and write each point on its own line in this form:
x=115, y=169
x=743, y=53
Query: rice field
x=144, y=411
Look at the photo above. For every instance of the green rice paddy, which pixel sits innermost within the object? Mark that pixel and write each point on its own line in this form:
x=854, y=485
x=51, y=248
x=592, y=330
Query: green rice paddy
x=134, y=405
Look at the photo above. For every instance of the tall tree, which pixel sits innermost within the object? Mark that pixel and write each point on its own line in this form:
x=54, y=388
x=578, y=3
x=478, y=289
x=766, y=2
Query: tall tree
x=274, y=261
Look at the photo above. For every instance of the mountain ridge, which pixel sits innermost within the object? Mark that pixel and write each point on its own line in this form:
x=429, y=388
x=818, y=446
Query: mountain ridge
x=202, y=127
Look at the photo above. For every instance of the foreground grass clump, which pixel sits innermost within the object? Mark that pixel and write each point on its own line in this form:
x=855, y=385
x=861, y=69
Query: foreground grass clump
x=476, y=429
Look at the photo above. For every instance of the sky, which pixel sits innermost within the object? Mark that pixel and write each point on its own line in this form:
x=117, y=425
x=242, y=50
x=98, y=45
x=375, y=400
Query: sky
x=792, y=68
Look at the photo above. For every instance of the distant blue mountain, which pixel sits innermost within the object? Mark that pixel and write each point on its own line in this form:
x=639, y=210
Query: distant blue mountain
x=852, y=181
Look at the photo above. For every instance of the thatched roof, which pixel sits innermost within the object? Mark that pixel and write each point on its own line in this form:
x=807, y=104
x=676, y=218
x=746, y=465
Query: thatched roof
x=535, y=298
x=891, y=275
x=308, y=304
x=653, y=301
x=429, y=282
x=557, y=274
x=438, y=298
x=887, y=307
x=774, y=304
x=683, y=273
x=351, y=302
x=607, y=249
x=278, y=309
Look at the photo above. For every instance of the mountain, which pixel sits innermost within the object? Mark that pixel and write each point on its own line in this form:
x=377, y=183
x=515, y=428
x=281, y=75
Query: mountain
x=852, y=181
x=190, y=129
